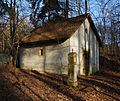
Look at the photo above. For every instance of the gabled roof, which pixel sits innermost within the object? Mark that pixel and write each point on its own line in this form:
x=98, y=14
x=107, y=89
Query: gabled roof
x=59, y=30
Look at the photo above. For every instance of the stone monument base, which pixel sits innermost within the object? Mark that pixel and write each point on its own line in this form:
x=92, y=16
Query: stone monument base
x=72, y=83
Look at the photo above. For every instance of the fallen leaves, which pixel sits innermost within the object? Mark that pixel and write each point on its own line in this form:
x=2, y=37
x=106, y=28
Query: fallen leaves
x=24, y=85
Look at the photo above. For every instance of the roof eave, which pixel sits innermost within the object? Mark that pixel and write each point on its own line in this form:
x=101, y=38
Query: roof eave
x=42, y=43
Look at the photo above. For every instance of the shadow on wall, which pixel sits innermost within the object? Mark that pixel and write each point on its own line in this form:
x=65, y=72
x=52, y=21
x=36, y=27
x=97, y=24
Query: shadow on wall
x=55, y=61
x=86, y=62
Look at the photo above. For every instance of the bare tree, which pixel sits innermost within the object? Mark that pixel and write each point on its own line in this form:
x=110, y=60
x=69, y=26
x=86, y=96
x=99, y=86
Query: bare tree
x=11, y=13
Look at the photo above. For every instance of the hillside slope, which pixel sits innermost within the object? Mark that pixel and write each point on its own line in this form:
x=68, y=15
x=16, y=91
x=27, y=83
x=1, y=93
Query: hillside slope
x=24, y=85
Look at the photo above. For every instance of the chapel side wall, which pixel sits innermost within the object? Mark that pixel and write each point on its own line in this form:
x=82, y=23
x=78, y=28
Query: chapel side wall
x=55, y=59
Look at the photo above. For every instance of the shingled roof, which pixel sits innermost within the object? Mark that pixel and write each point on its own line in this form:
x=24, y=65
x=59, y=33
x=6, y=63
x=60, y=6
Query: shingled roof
x=59, y=30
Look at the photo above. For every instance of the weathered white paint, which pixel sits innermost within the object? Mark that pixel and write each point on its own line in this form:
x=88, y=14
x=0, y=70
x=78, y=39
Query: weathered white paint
x=55, y=59
x=82, y=40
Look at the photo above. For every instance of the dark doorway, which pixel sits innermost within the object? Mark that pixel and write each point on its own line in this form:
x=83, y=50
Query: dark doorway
x=86, y=62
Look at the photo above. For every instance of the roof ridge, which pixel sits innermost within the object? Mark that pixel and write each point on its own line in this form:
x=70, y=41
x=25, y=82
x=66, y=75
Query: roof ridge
x=59, y=29
x=62, y=20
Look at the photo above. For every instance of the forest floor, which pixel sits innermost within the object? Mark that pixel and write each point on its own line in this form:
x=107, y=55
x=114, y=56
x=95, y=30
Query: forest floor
x=24, y=85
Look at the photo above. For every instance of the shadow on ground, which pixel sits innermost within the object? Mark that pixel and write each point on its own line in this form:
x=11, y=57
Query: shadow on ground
x=50, y=81
x=110, y=63
x=24, y=85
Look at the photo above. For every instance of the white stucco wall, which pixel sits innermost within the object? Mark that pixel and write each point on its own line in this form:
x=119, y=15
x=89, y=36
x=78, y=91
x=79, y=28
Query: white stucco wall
x=54, y=59
x=94, y=53
x=81, y=41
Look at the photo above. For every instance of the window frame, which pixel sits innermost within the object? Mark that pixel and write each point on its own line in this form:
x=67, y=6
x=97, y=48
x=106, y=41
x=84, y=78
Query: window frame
x=41, y=52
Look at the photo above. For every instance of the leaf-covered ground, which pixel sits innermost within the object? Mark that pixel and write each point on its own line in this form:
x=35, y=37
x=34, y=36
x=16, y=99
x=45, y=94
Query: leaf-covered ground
x=23, y=85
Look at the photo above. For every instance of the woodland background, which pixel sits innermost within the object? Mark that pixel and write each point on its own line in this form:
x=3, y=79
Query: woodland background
x=19, y=17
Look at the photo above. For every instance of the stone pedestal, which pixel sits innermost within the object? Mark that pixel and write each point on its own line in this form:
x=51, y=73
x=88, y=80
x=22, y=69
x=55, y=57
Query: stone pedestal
x=72, y=69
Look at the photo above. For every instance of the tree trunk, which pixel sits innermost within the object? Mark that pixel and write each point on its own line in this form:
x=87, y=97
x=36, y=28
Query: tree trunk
x=66, y=10
x=104, y=22
x=85, y=6
x=12, y=32
x=112, y=37
x=49, y=14
x=78, y=7
x=11, y=59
